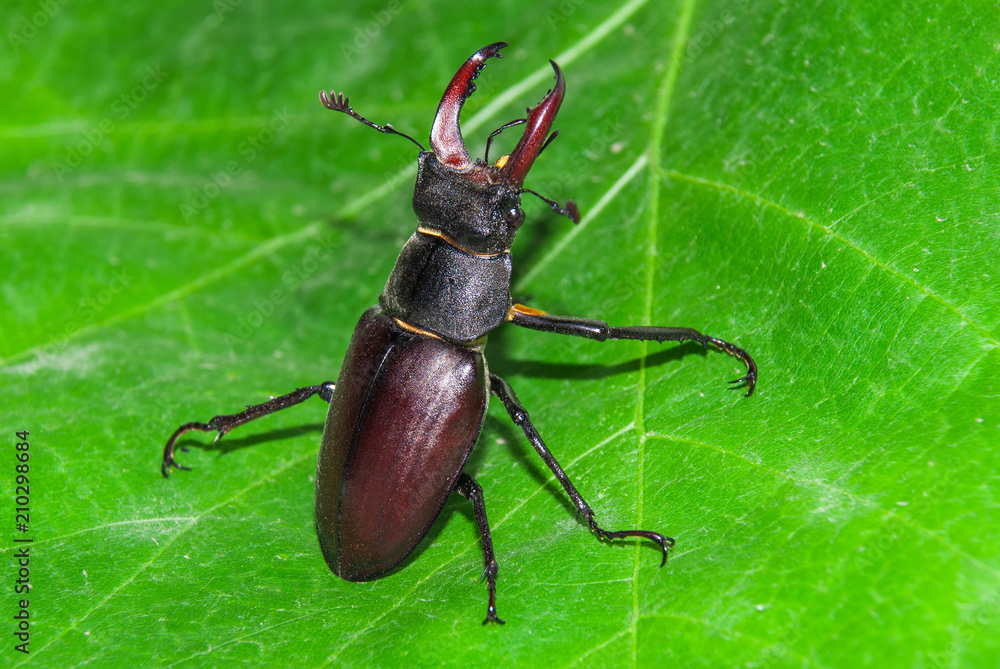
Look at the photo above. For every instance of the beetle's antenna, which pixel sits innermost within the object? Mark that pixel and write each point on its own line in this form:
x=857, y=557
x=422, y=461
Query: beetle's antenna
x=572, y=212
x=489, y=140
x=338, y=102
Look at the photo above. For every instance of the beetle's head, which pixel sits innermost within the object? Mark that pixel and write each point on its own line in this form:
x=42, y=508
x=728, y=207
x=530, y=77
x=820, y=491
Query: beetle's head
x=476, y=204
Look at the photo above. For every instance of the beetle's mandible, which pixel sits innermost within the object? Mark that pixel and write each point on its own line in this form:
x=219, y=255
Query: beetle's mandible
x=411, y=396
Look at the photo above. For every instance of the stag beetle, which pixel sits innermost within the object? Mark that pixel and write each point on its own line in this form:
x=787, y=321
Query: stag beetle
x=411, y=396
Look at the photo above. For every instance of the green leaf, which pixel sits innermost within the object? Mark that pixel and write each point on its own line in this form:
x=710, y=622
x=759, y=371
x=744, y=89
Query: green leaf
x=185, y=230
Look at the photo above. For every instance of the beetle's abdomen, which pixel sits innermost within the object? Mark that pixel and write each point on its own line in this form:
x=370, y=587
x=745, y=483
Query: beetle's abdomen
x=405, y=414
x=437, y=287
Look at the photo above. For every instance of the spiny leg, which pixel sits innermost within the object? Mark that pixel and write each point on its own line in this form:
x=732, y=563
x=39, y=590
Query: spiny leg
x=590, y=328
x=502, y=389
x=224, y=424
x=467, y=487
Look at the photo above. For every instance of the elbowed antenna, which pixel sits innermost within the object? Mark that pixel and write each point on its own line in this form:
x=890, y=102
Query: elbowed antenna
x=446, y=137
x=340, y=102
x=533, y=140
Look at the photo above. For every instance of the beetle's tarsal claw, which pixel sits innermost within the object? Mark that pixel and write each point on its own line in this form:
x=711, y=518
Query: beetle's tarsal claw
x=666, y=550
x=750, y=378
x=491, y=617
x=169, y=462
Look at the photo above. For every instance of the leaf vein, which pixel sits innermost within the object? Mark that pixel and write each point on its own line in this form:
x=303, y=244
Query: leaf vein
x=827, y=230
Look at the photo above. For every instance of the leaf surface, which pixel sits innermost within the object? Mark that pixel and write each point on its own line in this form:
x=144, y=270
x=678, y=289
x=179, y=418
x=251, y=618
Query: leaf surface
x=186, y=230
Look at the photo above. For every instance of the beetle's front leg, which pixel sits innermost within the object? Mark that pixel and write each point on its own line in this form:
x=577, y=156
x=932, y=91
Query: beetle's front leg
x=590, y=328
x=467, y=487
x=502, y=389
x=224, y=424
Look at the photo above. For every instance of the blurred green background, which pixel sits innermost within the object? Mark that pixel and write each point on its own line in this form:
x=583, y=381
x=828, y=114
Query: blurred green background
x=185, y=230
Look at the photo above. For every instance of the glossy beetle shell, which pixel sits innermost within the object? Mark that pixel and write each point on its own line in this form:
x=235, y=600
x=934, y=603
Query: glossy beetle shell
x=405, y=414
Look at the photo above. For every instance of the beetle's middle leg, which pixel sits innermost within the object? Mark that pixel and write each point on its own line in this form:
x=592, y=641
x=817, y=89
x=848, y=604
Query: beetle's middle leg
x=535, y=319
x=224, y=424
x=502, y=389
x=467, y=487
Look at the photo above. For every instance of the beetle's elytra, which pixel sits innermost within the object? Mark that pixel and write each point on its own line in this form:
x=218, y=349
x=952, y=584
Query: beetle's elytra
x=412, y=393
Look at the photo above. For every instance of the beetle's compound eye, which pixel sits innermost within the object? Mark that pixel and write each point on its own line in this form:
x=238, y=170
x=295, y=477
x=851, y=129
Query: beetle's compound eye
x=515, y=217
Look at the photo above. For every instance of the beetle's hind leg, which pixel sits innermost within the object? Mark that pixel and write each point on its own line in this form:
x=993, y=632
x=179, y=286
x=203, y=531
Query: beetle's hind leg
x=502, y=389
x=467, y=487
x=224, y=424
